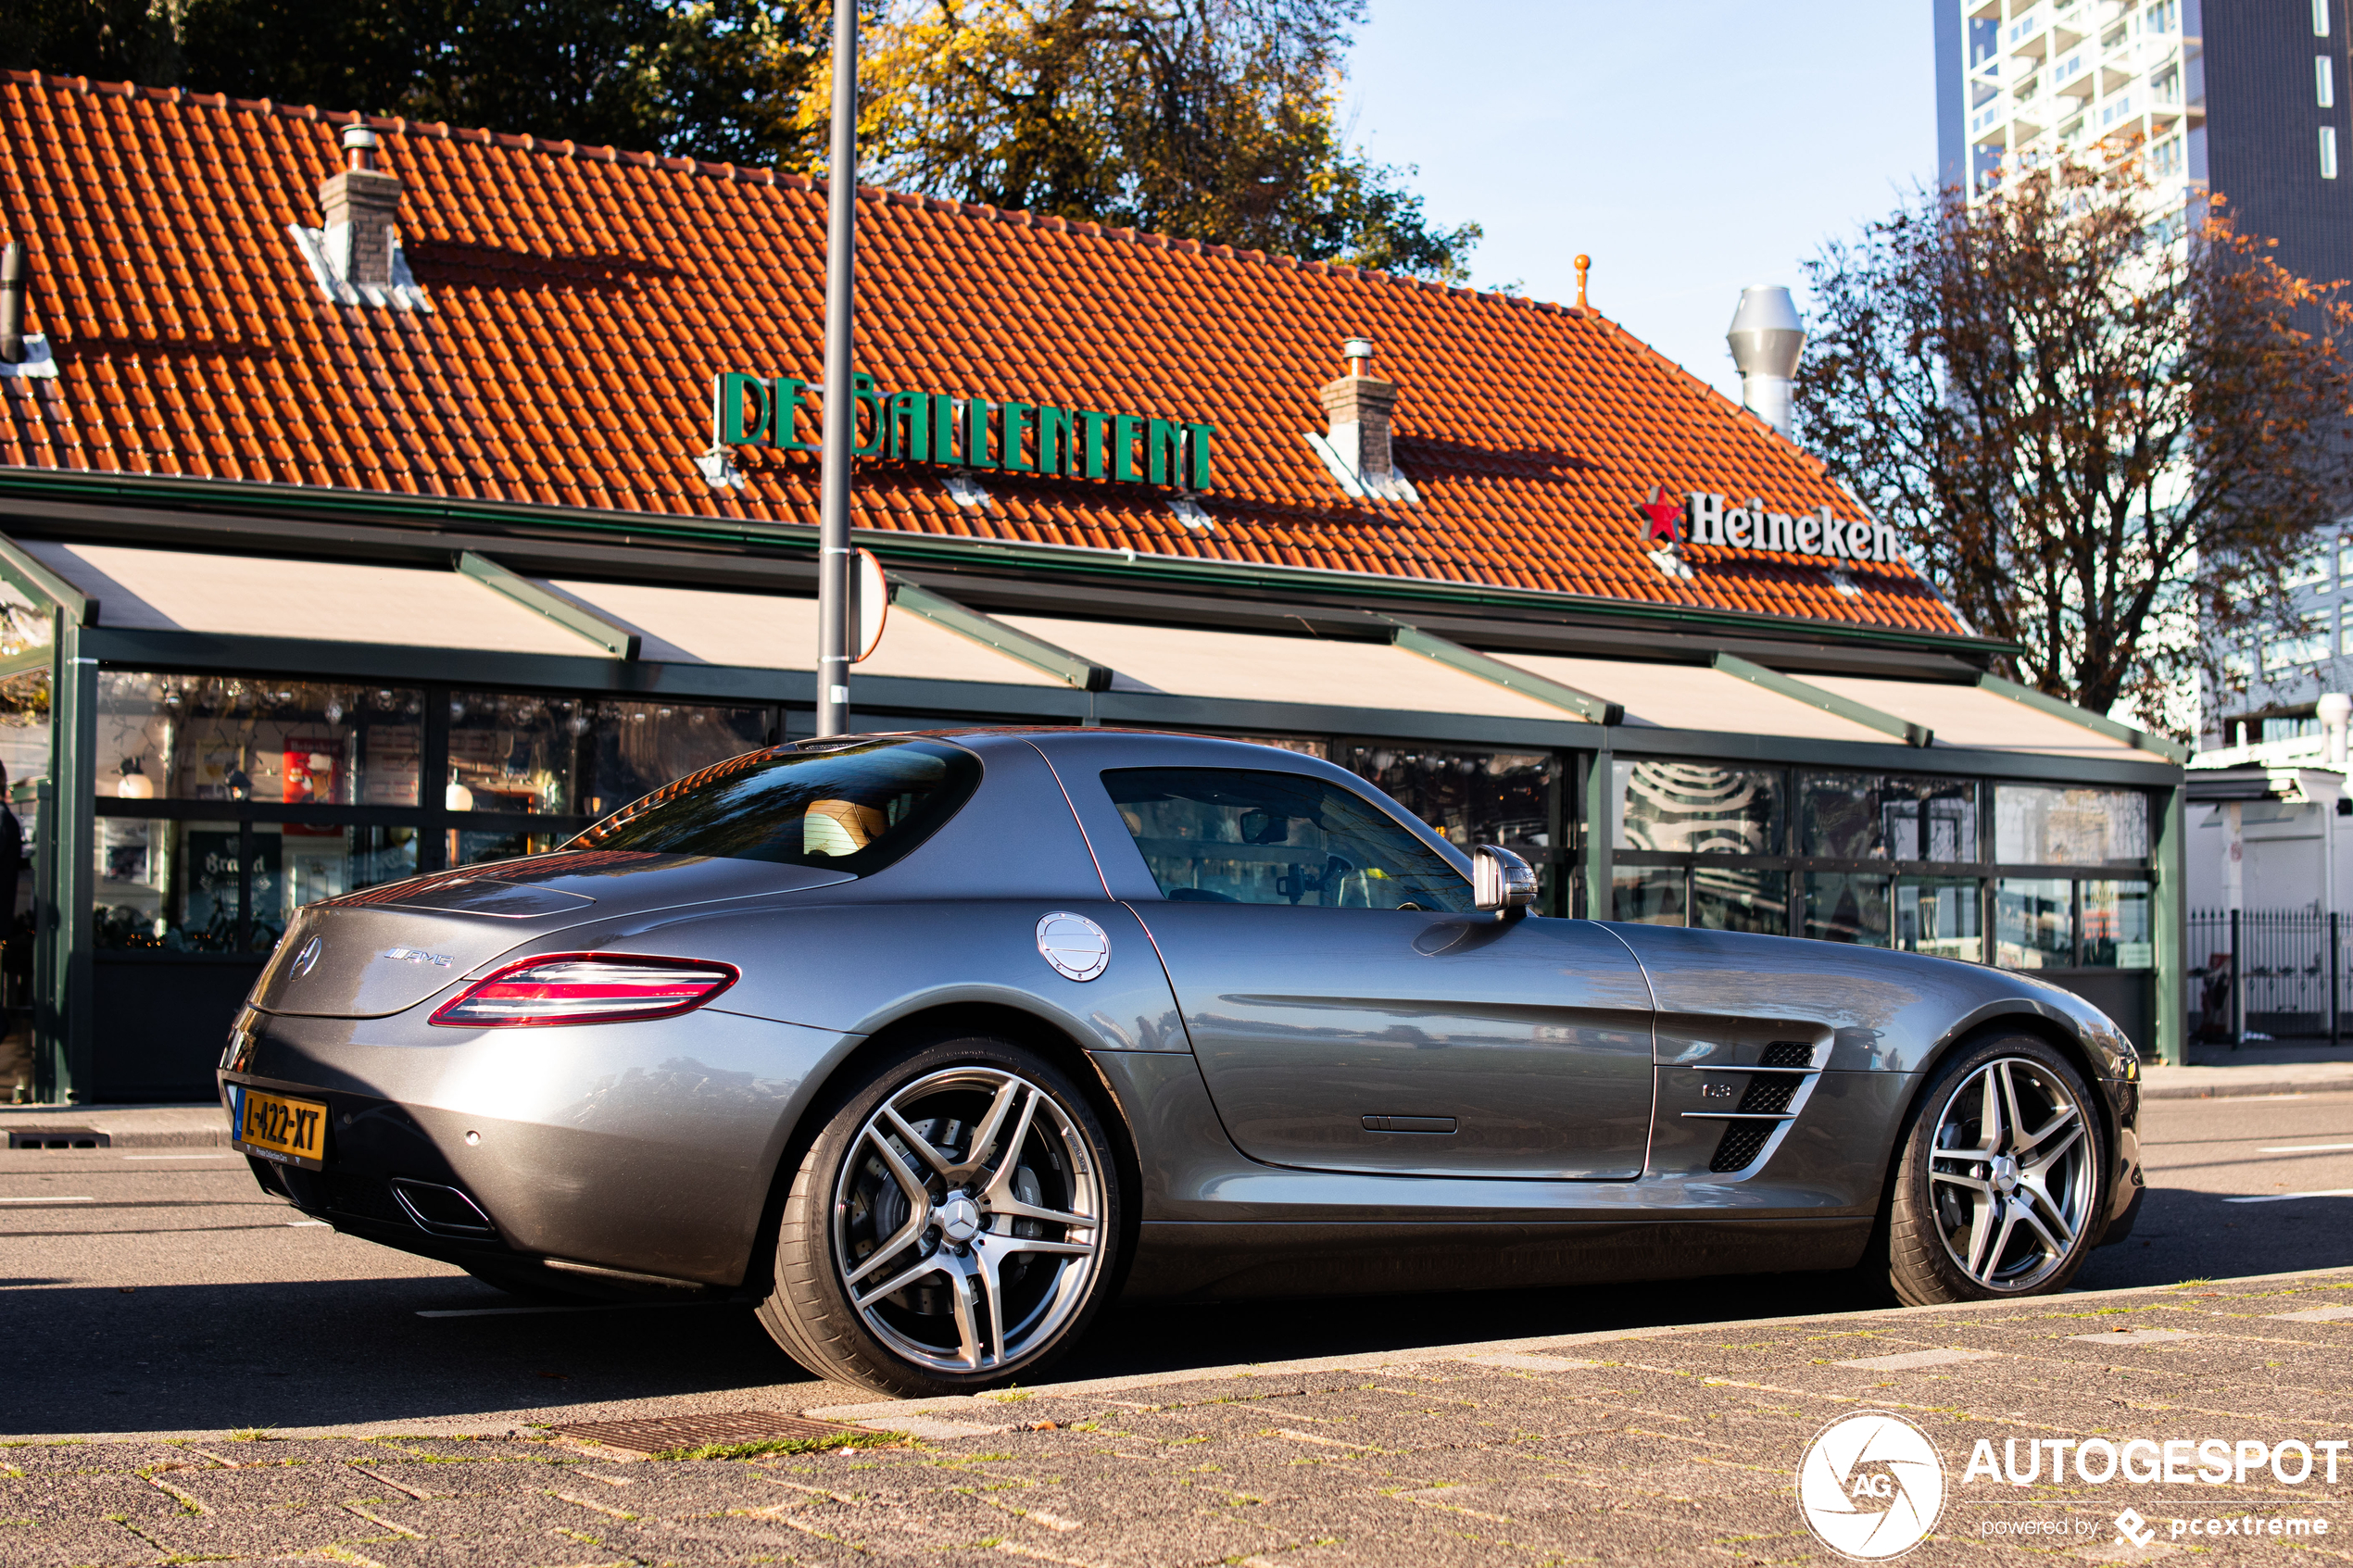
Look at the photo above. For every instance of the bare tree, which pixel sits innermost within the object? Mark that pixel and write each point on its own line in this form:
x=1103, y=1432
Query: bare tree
x=2107, y=435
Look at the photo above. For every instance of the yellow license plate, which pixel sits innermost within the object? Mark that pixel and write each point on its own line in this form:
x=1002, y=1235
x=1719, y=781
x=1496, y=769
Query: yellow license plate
x=289, y=1129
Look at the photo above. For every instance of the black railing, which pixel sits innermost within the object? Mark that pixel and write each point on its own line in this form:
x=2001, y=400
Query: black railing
x=2268, y=973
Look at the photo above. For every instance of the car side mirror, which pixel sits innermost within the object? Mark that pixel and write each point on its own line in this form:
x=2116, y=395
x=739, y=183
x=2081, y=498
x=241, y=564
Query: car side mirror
x=1500, y=880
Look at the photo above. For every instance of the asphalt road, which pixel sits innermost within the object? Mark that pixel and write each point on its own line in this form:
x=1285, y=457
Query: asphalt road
x=160, y=1291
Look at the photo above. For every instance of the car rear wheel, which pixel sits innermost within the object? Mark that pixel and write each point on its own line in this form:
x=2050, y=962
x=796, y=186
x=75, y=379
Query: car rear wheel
x=952, y=1226
x=2002, y=1181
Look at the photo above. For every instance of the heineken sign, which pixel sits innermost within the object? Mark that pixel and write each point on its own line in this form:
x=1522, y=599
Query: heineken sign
x=1703, y=519
x=942, y=430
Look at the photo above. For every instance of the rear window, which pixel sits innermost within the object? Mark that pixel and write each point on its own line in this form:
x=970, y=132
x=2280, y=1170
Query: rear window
x=854, y=808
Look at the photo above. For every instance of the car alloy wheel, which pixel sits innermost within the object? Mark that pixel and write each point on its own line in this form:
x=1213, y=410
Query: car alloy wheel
x=968, y=1220
x=2011, y=1174
x=2000, y=1190
x=954, y=1222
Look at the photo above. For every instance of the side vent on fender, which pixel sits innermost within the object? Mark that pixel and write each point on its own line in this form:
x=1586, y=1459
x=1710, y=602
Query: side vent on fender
x=1778, y=1087
x=1744, y=1141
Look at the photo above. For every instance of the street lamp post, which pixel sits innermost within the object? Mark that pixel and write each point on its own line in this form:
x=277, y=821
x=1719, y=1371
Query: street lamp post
x=841, y=409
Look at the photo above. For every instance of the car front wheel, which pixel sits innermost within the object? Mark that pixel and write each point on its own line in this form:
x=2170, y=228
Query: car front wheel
x=954, y=1225
x=2002, y=1181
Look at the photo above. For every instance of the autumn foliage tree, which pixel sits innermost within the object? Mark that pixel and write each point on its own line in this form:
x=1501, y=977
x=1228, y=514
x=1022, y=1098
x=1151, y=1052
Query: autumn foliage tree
x=1209, y=120
x=2109, y=436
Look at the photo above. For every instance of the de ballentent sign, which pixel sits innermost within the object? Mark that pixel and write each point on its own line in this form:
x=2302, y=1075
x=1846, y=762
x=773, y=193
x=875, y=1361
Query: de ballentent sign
x=1700, y=519
x=941, y=429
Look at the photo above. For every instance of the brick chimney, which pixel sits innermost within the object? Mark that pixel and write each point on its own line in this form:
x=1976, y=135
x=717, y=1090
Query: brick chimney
x=362, y=205
x=1358, y=406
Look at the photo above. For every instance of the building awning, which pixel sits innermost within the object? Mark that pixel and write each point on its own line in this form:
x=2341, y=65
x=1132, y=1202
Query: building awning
x=1971, y=716
x=140, y=590
x=770, y=631
x=1691, y=696
x=1307, y=682
x=1255, y=667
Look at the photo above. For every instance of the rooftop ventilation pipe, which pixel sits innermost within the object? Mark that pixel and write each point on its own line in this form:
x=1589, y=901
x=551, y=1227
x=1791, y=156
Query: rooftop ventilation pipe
x=12, y=304
x=1767, y=337
x=362, y=205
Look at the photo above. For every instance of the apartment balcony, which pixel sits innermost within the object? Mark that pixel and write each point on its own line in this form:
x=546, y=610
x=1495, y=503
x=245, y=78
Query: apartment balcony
x=2074, y=77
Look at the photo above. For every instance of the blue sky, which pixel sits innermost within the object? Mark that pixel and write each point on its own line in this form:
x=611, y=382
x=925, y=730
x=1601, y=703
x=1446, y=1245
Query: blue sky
x=1691, y=147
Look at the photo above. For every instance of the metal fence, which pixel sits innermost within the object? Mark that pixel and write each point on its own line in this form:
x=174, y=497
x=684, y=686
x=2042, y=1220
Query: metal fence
x=2270, y=974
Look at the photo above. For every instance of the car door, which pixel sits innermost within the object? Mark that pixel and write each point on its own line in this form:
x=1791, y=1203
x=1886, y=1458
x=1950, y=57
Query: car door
x=1353, y=1011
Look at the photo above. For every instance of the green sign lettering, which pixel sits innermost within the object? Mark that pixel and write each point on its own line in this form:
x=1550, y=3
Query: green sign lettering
x=941, y=429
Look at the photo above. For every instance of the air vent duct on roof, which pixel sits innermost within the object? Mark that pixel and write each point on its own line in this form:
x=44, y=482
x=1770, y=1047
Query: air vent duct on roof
x=1767, y=338
x=21, y=353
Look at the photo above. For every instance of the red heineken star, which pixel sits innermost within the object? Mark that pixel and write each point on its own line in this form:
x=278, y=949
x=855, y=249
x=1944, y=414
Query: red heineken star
x=1666, y=516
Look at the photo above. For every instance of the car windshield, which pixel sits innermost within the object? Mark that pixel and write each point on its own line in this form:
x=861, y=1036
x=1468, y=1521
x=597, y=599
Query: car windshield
x=854, y=808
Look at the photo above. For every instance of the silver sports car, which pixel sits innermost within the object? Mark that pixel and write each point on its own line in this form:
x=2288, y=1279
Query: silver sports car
x=932, y=1044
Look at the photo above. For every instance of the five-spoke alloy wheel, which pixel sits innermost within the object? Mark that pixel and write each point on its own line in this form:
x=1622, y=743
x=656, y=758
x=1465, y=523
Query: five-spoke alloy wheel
x=1999, y=1190
x=952, y=1225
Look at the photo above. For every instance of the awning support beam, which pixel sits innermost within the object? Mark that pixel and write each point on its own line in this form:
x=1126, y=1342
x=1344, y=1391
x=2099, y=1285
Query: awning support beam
x=1036, y=652
x=2098, y=723
x=1586, y=706
x=1828, y=701
x=615, y=639
x=37, y=581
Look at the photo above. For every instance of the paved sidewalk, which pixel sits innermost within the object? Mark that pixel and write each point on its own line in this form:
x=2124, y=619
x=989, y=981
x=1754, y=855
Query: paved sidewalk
x=2257, y=1068
x=1668, y=1446
x=126, y=1126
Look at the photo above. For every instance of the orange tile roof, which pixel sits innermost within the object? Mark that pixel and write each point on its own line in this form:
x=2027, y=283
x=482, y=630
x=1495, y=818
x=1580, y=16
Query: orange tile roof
x=583, y=297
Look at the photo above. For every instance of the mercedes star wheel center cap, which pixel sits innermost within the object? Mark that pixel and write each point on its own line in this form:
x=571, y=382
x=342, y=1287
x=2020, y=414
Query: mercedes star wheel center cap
x=1075, y=946
x=2005, y=1172
x=959, y=1219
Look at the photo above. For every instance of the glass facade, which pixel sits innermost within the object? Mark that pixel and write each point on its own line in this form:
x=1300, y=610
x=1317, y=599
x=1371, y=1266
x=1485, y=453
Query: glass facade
x=1697, y=808
x=1915, y=861
x=1507, y=797
x=2033, y=922
x=2047, y=825
x=1939, y=916
x=226, y=803
x=207, y=737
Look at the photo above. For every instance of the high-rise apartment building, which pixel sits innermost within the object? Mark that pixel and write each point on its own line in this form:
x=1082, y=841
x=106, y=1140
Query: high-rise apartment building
x=2251, y=100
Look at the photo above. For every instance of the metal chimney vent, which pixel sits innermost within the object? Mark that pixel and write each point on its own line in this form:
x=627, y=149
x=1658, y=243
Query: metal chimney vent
x=1767, y=338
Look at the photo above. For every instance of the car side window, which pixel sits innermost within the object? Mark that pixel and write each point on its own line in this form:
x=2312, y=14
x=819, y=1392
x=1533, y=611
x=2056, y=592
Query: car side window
x=1236, y=836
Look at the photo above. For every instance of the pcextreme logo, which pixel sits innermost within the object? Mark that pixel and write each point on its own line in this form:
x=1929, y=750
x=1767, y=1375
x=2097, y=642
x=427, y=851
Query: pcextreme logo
x=1871, y=1485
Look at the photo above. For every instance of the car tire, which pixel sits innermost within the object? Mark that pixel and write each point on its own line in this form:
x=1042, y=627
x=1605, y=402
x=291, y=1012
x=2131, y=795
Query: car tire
x=1974, y=1217
x=977, y=1177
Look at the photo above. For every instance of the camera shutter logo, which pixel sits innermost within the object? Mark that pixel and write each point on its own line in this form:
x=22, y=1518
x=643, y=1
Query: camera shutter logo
x=1871, y=1485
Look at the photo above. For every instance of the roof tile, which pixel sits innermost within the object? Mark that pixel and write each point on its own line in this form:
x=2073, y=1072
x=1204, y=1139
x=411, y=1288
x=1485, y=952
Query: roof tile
x=582, y=297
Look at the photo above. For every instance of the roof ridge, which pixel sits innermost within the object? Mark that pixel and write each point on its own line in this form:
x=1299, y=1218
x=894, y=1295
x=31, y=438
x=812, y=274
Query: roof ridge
x=769, y=175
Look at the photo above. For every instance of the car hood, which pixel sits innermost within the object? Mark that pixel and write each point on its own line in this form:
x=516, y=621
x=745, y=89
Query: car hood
x=381, y=951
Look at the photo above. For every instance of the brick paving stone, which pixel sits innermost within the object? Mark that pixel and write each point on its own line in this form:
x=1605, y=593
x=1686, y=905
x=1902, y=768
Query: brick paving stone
x=1676, y=1448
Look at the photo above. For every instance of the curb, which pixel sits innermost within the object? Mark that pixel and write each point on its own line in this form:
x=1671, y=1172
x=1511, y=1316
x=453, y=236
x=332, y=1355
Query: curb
x=2245, y=1088
x=125, y=1126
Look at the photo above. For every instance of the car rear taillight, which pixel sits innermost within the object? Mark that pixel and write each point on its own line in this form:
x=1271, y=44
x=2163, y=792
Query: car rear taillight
x=585, y=988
